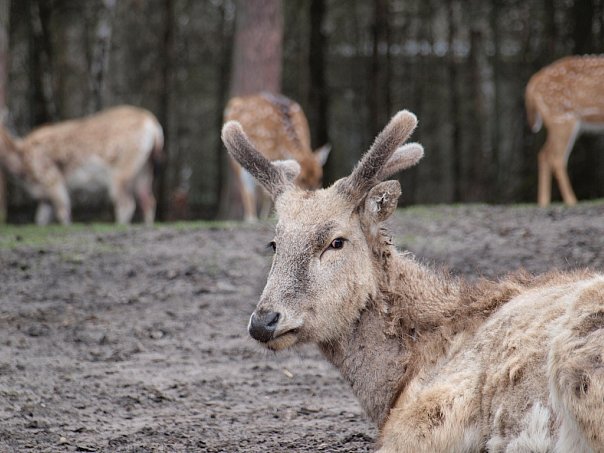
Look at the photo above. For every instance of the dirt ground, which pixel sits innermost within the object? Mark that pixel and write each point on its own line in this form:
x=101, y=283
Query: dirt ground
x=134, y=340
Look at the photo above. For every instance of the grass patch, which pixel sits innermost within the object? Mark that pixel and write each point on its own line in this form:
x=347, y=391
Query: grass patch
x=12, y=236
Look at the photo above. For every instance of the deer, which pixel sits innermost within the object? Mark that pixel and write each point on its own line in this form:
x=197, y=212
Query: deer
x=276, y=125
x=439, y=363
x=568, y=98
x=115, y=149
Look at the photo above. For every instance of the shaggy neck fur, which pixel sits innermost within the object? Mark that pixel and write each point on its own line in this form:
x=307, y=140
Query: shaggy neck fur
x=410, y=323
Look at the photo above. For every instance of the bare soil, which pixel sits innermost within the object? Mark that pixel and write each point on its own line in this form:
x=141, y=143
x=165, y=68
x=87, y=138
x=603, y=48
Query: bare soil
x=134, y=340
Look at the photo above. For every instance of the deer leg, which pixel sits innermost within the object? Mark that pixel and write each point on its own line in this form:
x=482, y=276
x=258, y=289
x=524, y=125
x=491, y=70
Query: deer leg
x=265, y=206
x=123, y=202
x=563, y=140
x=43, y=213
x=144, y=194
x=561, y=174
x=545, y=179
x=59, y=198
x=248, y=196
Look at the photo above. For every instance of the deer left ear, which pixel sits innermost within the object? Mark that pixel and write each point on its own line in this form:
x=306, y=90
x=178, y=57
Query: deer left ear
x=382, y=200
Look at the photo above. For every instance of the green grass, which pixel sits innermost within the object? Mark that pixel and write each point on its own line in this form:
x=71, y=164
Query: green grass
x=12, y=236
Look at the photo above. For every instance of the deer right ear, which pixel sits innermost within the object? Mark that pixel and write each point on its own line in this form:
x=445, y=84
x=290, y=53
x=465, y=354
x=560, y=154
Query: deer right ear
x=381, y=201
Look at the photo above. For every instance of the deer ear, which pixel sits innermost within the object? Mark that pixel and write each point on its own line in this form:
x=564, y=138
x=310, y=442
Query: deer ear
x=382, y=200
x=322, y=154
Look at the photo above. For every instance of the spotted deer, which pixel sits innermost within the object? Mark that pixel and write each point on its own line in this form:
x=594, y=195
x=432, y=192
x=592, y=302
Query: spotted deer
x=114, y=149
x=277, y=126
x=438, y=363
x=568, y=98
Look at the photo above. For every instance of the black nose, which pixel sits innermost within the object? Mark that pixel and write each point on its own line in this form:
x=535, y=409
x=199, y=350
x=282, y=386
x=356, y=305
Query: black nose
x=263, y=325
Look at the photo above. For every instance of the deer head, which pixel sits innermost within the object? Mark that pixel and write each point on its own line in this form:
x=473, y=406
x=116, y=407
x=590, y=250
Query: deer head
x=323, y=271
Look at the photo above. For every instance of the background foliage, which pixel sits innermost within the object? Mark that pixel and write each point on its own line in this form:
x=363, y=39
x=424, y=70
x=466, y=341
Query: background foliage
x=461, y=65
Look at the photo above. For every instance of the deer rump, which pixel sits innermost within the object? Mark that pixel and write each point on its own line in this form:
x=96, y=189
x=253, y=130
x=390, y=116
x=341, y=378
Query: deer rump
x=440, y=365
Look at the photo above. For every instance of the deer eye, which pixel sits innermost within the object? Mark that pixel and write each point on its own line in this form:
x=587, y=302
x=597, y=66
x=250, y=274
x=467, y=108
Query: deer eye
x=337, y=243
x=272, y=245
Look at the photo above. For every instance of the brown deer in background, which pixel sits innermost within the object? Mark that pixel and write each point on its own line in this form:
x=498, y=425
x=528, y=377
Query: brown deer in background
x=438, y=363
x=277, y=126
x=568, y=98
x=113, y=149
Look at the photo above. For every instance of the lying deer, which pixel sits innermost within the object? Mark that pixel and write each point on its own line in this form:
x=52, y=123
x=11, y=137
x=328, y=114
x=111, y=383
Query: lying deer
x=277, y=126
x=439, y=364
x=568, y=97
x=115, y=148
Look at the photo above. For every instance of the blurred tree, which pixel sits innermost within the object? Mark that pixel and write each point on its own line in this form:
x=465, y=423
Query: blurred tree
x=98, y=52
x=167, y=59
x=43, y=98
x=462, y=66
x=454, y=103
x=318, y=96
x=379, y=91
x=4, y=24
x=258, y=47
x=257, y=65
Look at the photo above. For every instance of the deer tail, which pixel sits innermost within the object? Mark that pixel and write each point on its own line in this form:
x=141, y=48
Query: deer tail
x=157, y=153
x=532, y=112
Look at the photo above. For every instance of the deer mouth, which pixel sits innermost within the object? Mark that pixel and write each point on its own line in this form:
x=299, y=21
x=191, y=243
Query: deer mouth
x=283, y=340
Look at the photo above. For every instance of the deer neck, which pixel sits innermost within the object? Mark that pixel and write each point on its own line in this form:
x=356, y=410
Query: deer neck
x=10, y=154
x=383, y=350
x=371, y=362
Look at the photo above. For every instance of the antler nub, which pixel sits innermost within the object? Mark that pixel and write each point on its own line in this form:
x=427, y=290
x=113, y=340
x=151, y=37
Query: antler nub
x=369, y=170
x=274, y=177
x=404, y=157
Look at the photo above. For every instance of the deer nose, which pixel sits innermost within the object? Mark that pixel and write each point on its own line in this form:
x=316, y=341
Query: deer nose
x=263, y=325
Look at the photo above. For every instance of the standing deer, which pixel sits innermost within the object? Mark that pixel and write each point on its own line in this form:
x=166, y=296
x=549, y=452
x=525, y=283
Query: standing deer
x=115, y=148
x=438, y=363
x=277, y=126
x=568, y=97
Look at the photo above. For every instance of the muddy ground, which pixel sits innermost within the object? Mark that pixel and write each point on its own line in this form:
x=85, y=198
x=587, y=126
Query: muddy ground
x=134, y=340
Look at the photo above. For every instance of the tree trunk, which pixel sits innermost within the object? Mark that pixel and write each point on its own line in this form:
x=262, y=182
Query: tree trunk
x=167, y=59
x=226, y=46
x=479, y=170
x=258, y=47
x=583, y=15
x=495, y=114
x=257, y=60
x=4, y=24
x=318, y=94
x=99, y=60
x=456, y=164
x=550, y=31
x=43, y=106
x=379, y=95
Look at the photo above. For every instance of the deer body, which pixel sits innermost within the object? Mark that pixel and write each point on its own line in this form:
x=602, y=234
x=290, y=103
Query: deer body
x=276, y=125
x=114, y=149
x=439, y=364
x=568, y=98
